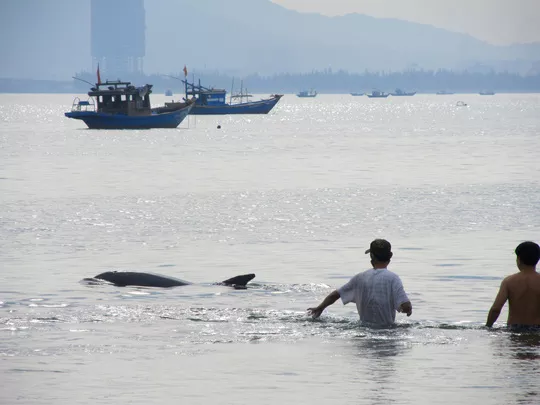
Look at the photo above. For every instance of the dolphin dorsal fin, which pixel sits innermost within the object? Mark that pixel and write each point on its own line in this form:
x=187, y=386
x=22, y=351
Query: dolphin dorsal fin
x=240, y=280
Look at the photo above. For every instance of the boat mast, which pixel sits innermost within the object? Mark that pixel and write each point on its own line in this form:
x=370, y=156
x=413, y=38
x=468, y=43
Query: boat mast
x=232, y=89
x=241, y=91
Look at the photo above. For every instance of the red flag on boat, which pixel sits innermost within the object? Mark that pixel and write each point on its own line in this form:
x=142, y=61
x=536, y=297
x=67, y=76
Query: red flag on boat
x=98, y=75
x=185, y=71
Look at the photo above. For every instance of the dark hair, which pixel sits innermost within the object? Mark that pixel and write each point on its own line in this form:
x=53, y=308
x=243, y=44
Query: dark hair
x=382, y=257
x=528, y=253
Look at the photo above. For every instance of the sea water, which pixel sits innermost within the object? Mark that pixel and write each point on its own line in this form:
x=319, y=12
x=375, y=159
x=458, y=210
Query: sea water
x=295, y=197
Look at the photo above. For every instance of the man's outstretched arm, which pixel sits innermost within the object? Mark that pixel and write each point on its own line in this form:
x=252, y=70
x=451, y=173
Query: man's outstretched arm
x=497, y=306
x=329, y=300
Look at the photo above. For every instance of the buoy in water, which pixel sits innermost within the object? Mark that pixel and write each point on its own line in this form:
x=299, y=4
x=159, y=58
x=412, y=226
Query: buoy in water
x=219, y=127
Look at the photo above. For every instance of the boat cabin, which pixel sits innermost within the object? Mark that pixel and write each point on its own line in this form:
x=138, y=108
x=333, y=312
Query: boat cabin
x=204, y=95
x=306, y=93
x=117, y=97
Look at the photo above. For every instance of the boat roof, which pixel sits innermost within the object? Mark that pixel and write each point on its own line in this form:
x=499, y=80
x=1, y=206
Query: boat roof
x=117, y=87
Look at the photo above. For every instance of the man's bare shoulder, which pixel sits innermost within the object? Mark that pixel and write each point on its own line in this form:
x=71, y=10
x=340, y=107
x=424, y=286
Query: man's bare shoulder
x=512, y=281
x=522, y=278
x=521, y=274
x=512, y=277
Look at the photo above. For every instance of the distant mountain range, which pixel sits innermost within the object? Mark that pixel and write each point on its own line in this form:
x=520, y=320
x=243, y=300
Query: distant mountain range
x=260, y=36
x=51, y=40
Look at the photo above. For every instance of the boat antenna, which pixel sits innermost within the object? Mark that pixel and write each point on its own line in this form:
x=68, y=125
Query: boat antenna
x=174, y=77
x=232, y=89
x=82, y=80
x=183, y=81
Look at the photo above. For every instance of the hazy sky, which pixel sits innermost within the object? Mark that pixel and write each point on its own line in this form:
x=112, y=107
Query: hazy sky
x=495, y=21
x=50, y=39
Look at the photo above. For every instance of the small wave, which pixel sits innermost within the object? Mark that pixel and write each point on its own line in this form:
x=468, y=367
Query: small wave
x=464, y=277
x=48, y=305
x=297, y=288
x=208, y=320
x=33, y=370
x=444, y=326
x=46, y=320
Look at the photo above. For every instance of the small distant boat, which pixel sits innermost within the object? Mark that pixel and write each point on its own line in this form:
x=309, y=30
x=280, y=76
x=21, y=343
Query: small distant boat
x=211, y=101
x=378, y=94
x=487, y=93
x=306, y=93
x=400, y=92
x=444, y=93
x=120, y=105
x=461, y=104
x=357, y=94
x=168, y=93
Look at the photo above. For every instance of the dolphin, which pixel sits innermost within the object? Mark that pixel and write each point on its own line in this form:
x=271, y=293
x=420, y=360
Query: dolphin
x=128, y=278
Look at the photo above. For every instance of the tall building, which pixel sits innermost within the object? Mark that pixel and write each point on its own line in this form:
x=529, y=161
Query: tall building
x=118, y=37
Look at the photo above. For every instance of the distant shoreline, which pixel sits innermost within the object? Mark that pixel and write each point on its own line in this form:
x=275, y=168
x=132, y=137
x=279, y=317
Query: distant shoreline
x=325, y=82
x=78, y=93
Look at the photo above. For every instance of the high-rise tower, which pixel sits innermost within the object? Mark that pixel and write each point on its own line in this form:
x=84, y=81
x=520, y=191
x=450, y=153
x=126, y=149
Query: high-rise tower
x=118, y=36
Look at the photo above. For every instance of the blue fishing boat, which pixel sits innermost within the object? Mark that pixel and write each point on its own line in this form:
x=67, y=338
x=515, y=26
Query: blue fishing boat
x=212, y=101
x=120, y=105
x=378, y=94
x=400, y=92
x=306, y=93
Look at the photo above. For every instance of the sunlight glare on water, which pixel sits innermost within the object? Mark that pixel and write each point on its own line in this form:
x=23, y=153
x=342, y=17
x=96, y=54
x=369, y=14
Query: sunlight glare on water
x=295, y=197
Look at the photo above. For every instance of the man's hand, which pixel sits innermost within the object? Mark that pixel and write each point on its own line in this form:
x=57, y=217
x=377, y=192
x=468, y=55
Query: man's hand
x=315, y=312
x=329, y=300
x=406, y=308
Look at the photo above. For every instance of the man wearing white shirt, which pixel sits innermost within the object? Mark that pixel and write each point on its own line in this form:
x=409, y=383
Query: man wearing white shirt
x=378, y=293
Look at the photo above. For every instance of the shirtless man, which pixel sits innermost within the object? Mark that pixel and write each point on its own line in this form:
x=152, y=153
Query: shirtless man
x=522, y=290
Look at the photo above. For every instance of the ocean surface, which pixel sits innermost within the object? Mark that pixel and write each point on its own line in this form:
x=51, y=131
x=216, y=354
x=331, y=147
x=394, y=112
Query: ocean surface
x=295, y=197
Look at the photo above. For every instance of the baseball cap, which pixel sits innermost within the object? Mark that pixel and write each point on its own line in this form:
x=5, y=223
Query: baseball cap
x=381, y=249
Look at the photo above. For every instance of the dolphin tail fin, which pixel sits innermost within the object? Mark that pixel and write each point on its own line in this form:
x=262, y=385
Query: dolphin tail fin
x=239, y=281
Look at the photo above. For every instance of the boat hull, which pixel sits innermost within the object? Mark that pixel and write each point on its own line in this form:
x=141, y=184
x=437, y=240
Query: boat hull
x=402, y=94
x=99, y=120
x=256, y=107
x=372, y=96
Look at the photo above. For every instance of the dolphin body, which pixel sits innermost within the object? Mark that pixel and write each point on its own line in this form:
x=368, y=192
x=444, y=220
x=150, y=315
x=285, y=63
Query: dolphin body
x=127, y=278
